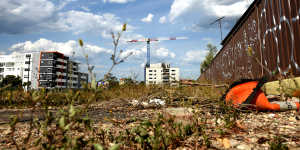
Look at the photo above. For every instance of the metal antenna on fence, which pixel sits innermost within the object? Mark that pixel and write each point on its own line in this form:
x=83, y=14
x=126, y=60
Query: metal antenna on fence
x=219, y=20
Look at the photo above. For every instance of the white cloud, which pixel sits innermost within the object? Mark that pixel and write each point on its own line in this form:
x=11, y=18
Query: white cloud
x=217, y=8
x=85, y=8
x=19, y=16
x=179, y=7
x=64, y=47
x=163, y=53
x=118, y=1
x=24, y=16
x=78, y=22
x=139, y=53
x=195, y=56
x=234, y=9
x=163, y=19
x=148, y=18
x=62, y=4
x=134, y=52
x=142, y=65
x=207, y=11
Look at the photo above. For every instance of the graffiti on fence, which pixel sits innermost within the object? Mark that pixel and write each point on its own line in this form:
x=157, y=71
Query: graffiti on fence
x=272, y=29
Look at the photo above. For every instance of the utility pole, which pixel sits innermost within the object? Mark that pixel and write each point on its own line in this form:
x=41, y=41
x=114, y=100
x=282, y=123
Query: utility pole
x=219, y=20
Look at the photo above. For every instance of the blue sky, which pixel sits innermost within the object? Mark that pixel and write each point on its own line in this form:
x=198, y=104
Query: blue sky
x=35, y=25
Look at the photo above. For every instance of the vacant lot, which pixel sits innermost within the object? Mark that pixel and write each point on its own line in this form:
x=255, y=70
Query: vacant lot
x=139, y=117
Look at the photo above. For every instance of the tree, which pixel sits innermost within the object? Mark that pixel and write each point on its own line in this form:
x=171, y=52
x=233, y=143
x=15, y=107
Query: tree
x=128, y=81
x=112, y=80
x=212, y=50
x=115, y=57
x=11, y=80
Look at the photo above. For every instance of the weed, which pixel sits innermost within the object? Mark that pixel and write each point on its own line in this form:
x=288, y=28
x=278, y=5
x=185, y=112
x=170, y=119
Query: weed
x=278, y=144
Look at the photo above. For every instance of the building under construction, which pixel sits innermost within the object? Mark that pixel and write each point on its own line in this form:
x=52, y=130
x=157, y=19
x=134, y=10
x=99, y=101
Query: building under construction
x=263, y=42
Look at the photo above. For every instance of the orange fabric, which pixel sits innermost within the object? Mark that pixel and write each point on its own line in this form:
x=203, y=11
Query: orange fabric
x=262, y=103
x=238, y=94
x=298, y=105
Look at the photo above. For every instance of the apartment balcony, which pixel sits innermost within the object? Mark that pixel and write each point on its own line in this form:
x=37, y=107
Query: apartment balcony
x=73, y=75
x=60, y=67
x=60, y=86
x=48, y=72
x=46, y=80
x=61, y=80
x=61, y=60
x=72, y=81
x=61, y=74
x=47, y=58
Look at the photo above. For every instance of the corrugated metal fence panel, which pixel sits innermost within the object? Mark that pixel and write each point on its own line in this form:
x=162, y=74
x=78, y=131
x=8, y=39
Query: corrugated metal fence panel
x=272, y=30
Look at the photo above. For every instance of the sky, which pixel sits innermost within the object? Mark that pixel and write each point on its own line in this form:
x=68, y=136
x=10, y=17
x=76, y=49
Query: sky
x=57, y=25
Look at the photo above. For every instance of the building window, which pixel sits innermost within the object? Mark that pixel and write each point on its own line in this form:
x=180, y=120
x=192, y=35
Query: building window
x=28, y=55
x=26, y=69
x=2, y=64
x=27, y=62
x=154, y=70
x=10, y=69
x=150, y=70
x=9, y=64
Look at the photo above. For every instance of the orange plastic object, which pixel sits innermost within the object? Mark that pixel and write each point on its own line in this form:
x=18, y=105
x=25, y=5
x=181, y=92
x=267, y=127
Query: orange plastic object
x=250, y=93
x=239, y=93
x=262, y=103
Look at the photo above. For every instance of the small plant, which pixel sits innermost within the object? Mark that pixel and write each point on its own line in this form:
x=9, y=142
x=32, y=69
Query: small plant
x=115, y=57
x=278, y=144
x=228, y=114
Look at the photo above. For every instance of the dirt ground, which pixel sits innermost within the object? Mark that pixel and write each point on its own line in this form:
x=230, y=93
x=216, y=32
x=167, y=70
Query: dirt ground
x=256, y=129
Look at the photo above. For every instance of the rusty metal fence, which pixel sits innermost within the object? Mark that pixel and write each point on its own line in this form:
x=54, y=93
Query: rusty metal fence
x=272, y=29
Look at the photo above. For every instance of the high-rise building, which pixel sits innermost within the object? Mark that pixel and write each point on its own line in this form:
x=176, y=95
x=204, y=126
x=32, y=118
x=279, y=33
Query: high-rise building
x=53, y=70
x=161, y=73
x=43, y=69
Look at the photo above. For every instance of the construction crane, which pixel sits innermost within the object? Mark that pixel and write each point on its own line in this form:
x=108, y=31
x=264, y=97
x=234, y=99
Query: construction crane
x=148, y=41
x=220, y=25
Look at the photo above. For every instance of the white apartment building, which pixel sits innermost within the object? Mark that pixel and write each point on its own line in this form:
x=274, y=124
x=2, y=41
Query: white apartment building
x=43, y=69
x=23, y=65
x=161, y=73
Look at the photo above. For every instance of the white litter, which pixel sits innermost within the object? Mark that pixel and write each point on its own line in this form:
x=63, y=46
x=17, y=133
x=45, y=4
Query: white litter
x=157, y=101
x=145, y=104
x=134, y=102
